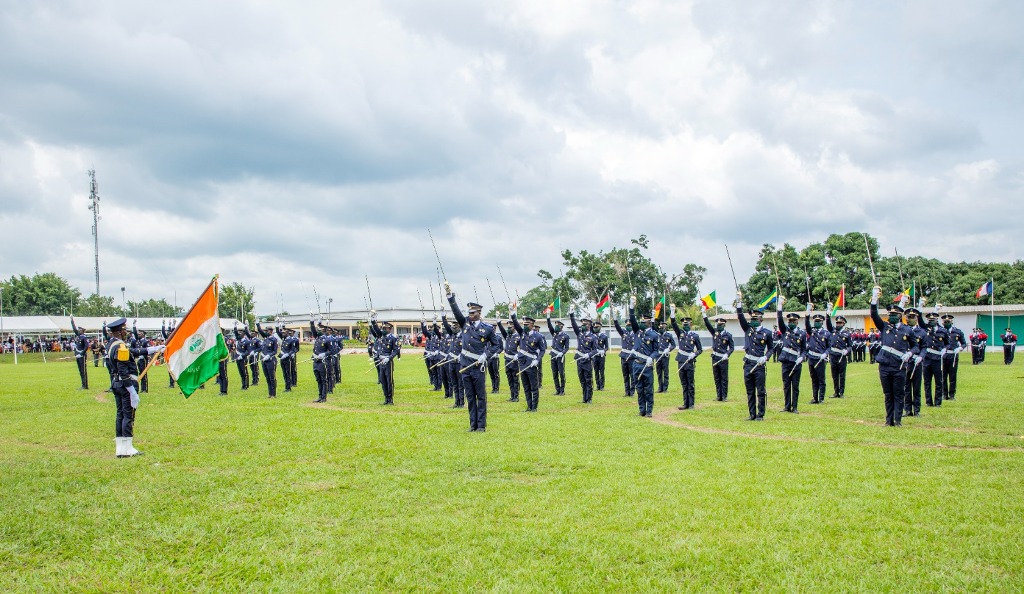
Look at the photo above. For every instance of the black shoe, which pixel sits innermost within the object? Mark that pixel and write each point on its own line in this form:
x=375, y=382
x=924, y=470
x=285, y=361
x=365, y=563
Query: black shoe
x=751, y=418
x=684, y=407
x=643, y=415
x=470, y=430
x=787, y=409
x=481, y=430
x=759, y=419
x=835, y=396
x=794, y=411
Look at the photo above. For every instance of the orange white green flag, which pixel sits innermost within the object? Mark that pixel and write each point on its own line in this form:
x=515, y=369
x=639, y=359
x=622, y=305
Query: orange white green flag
x=193, y=353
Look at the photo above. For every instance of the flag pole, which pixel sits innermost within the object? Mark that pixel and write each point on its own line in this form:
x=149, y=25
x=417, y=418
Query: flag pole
x=216, y=294
x=992, y=306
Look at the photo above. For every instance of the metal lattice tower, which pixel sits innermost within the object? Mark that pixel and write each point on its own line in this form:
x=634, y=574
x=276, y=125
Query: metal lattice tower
x=94, y=206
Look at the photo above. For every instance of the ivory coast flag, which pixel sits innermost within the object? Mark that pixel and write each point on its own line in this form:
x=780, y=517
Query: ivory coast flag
x=194, y=351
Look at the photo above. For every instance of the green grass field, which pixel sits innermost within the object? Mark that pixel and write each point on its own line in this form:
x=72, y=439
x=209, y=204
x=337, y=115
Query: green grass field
x=242, y=493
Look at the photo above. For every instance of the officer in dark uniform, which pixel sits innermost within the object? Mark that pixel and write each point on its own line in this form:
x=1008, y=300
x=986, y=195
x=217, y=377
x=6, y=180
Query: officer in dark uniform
x=166, y=333
x=269, y=346
x=874, y=339
x=96, y=348
x=933, y=348
x=686, y=357
x=222, y=366
x=431, y=354
x=454, y=352
x=443, y=361
x=840, y=348
x=645, y=350
x=977, y=346
x=951, y=360
x=124, y=384
x=530, y=355
x=141, y=342
x=600, y=355
x=722, y=346
x=479, y=343
x=81, y=347
x=1009, y=346
x=665, y=347
x=241, y=354
x=914, y=368
x=626, y=357
x=559, y=347
x=586, y=346
x=388, y=350
x=107, y=339
x=511, y=348
x=321, y=363
x=818, y=340
x=895, y=349
x=494, y=364
x=794, y=353
x=253, y=356
x=759, y=344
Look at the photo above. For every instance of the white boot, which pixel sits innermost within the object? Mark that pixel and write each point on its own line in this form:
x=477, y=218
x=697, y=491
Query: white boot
x=129, y=449
x=119, y=447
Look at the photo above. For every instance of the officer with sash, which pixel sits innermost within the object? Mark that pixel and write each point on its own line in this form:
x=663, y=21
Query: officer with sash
x=722, y=347
x=840, y=349
x=895, y=349
x=794, y=353
x=529, y=357
x=600, y=355
x=818, y=340
x=645, y=352
x=511, y=348
x=686, y=357
x=124, y=383
x=759, y=344
x=559, y=347
x=479, y=343
x=914, y=367
x=586, y=346
x=388, y=348
x=81, y=347
x=626, y=357
x=269, y=346
x=933, y=349
x=951, y=360
x=451, y=368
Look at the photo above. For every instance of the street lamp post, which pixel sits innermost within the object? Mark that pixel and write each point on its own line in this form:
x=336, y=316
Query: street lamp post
x=124, y=307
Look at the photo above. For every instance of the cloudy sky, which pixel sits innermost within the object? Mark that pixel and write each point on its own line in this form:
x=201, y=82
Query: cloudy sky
x=286, y=145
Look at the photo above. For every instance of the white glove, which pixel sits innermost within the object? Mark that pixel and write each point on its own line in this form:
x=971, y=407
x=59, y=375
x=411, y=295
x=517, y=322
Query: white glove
x=958, y=349
x=906, y=356
x=762, y=360
x=810, y=306
x=447, y=289
x=632, y=302
x=533, y=364
x=799, y=360
x=384, y=360
x=691, y=356
x=155, y=349
x=917, y=360
x=779, y=302
x=875, y=292
x=846, y=351
x=672, y=309
x=134, y=396
x=373, y=314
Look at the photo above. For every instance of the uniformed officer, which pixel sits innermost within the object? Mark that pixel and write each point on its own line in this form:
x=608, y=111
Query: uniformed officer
x=628, y=339
x=451, y=368
x=81, y=347
x=222, y=366
x=141, y=342
x=286, y=355
x=269, y=346
x=758, y=347
x=686, y=357
x=253, y=355
x=645, y=351
x=241, y=356
x=840, y=349
x=874, y=339
x=321, y=363
x=722, y=347
x=1009, y=346
x=430, y=354
x=511, y=348
x=951, y=360
x=494, y=364
x=818, y=340
x=794, y=353
x=600, y=355
x=934, y=347
x=124, y=384
x=443, y=361
x=388, y=350
x=530, y=355
x=166, y=332
x=586, y=346
x=895, y=349
x=914, y=368
x=559, y=347
x=666, y=345
x=479, y=343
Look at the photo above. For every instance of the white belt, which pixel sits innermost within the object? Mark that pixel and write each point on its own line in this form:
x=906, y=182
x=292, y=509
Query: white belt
x=478, y=358
x=751, y=358
x=644, y=357
x=893, y=351
x=934, y=352
x=817, y=355
x=626, y=351
x=837, y=351
x=791, y=351
x=525, y=354
x=720, y=355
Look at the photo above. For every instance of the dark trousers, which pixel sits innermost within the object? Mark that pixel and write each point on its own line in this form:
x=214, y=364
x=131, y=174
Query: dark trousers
x=124, y=422
x=144, y=379
x=720, y=371
x=662, y=368
x=816, y=368
x=222, y=376
x=494, y=373
x=976, y=351
x=1008, y=353
x=686, y=380
x=599, y=362
x=387, y=381
x=432, y=373
x=512, y=375
x=453, y=378
x=286, y=371
x=558, y=372
x=82, y=372
x=894, y=382
x=790, y=383
x=932, y=378
x=270, y=371
x=540, y=375
x=627, y=375
x=643, y=382
x=294, y=366
x=320, y=373
x=838, y=376
x=96, y=359
x=753, y=380
x=243, y=372
x=474, y=386
x=442, y=375
x=585, y=371
x=531, y=389
x=912, y=389
x=949, y=369
x=254, y=370
x=170, y=380
x=335, y=371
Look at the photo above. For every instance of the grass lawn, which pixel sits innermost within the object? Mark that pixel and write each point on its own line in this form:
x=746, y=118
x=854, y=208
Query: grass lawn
x=242, y=493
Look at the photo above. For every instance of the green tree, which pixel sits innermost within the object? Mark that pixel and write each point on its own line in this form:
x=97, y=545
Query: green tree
x=38, y=295
x=236, y=301
x=99, y=306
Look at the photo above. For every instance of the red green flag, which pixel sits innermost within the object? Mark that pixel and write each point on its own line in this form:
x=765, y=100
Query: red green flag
x=604, y=303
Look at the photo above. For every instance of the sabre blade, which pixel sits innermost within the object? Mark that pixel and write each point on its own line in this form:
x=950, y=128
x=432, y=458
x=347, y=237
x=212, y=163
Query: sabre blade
x=436, y=255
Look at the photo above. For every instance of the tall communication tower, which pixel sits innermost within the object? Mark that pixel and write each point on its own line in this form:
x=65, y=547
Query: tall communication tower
x=94, y=206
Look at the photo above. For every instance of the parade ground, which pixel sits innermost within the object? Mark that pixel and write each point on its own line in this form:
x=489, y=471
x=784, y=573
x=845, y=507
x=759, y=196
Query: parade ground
x=245, y=493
